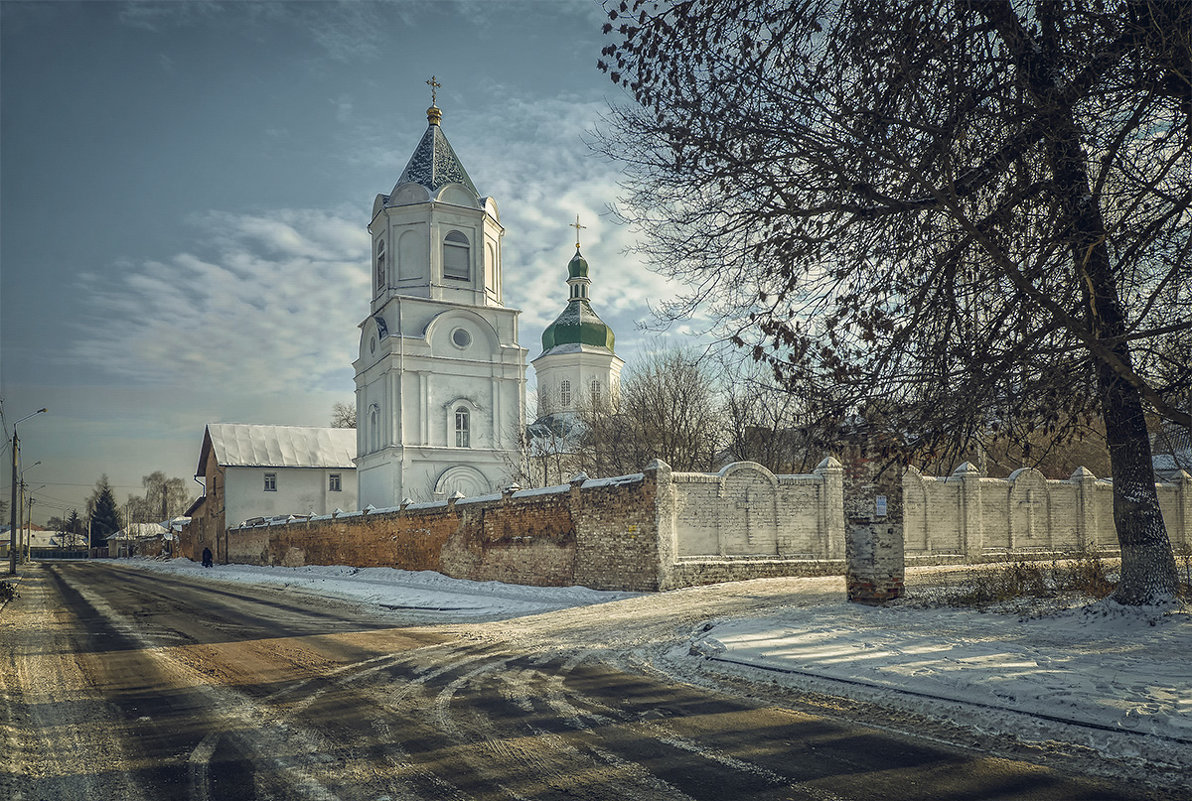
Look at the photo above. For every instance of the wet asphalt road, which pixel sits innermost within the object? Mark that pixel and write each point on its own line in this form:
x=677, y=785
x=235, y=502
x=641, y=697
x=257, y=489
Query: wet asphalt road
x=119, y=684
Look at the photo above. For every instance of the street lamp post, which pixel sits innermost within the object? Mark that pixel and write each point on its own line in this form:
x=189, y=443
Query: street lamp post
x=26, y=556
x=12, y=507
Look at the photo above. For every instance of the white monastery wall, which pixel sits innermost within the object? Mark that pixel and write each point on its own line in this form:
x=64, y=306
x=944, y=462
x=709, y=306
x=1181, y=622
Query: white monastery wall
x=968, y=515
x=747, y=511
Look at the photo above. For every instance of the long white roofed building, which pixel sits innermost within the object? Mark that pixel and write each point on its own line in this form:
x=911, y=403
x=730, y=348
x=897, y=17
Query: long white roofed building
x=250, y=471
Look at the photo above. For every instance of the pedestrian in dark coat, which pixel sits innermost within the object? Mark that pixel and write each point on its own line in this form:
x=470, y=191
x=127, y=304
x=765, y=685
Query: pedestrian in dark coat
x=207, y=557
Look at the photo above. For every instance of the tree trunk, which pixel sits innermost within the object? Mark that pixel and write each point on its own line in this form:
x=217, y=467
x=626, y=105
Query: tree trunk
x=1148, y=564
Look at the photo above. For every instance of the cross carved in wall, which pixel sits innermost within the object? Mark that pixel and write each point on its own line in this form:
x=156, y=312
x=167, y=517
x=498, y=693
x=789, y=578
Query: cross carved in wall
x=747, y=499
x=1030, y=503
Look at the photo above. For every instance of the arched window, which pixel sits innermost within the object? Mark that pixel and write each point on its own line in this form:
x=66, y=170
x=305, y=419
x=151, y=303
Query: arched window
x=463, y=431
x=456, y=257
x=380, y=264
x=374, y=426
x=565, y=393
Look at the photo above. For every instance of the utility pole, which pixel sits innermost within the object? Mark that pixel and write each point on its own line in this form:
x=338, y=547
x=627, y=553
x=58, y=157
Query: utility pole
x=12, y=509
x=21, y=520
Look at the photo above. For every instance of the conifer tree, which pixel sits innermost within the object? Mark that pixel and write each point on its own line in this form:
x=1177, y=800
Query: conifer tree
x=105, y=519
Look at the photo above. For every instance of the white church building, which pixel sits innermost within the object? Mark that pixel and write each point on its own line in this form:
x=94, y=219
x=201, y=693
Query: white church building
x=440, y=376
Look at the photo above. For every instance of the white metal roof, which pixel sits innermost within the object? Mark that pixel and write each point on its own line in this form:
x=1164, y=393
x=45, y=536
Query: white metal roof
x=240, y=445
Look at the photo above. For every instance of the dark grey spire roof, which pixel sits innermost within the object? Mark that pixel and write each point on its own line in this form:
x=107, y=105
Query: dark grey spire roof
x=434, y=163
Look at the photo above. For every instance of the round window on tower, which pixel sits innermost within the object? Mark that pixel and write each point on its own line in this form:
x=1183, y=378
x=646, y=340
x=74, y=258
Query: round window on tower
x=372, y=345
x=461, y=338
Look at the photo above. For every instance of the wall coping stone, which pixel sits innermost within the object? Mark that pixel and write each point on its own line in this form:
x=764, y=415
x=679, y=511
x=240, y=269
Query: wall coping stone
x=614, y=481
x=490, y=498
x=554, y=489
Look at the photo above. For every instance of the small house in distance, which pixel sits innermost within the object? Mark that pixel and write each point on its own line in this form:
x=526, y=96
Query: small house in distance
x=252, y=471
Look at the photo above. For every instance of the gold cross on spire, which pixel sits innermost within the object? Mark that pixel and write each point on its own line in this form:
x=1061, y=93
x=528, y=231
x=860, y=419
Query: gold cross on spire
x=433, y=84
x=577, y=228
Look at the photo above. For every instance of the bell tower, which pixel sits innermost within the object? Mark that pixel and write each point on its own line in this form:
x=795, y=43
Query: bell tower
x=440, y=376
x=433, y=235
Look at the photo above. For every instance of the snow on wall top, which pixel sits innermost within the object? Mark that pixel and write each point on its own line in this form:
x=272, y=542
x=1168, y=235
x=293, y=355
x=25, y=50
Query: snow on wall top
x=241, y=445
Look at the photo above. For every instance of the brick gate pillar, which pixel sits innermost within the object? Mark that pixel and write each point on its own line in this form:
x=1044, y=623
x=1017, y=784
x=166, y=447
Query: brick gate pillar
x=875, y=568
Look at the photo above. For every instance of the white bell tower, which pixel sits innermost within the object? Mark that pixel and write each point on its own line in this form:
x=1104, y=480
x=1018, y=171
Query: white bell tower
x=440, y=377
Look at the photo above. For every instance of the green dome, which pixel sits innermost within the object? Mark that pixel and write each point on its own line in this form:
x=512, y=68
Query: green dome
x=578, y=325
x=578, y=266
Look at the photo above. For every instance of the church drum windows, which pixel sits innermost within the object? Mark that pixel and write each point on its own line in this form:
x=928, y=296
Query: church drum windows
x=565, y=393
x=463, y=432
x=457, y=257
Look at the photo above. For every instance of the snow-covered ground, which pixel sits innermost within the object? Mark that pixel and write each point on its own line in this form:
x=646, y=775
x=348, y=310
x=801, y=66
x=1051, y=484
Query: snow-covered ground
x=1114, y=680
x=412, y=592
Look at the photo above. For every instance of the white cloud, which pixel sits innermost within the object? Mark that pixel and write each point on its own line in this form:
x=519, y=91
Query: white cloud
x=532, y=156
x=161, y=16
x=272, y=309
x=269, y=302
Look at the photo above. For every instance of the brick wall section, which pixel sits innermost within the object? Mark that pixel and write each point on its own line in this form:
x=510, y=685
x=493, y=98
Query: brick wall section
x=206, y=528
x=528, y=540
x=617, y=537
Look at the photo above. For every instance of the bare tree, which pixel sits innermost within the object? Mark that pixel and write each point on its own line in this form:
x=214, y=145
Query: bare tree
x=164, y=499
x=973, y=216
x=765, y=422
x=667, y=407
x=343, y=415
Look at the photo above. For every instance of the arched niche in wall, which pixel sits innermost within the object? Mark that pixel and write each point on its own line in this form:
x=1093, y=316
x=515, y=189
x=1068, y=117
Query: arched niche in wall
x=464, y=479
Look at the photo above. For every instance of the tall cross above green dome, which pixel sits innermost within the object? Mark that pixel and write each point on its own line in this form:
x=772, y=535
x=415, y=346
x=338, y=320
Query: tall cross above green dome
x=578, y=326
x=577, y=228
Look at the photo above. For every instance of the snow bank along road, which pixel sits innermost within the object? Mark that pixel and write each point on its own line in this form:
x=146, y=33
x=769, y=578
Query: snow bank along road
x=124, y=684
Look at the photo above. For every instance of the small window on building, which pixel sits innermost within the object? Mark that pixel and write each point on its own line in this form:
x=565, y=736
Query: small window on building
x=456, y=257
x=463, y=433
x=271, y=482
x=565, y=393
x=380, y=264
x=595, y=392
x=334, y=484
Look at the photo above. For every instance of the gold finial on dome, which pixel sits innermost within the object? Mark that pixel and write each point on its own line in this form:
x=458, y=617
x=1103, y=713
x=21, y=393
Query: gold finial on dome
x=434, y=114
x=577, y=228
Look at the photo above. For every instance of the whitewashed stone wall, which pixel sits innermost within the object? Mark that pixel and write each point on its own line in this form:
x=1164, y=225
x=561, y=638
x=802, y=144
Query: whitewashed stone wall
x=746, y=511
x=968, y=515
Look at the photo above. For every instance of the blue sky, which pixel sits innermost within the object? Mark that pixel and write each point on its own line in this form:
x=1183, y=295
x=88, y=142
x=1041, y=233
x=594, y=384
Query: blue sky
x=185, y=190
